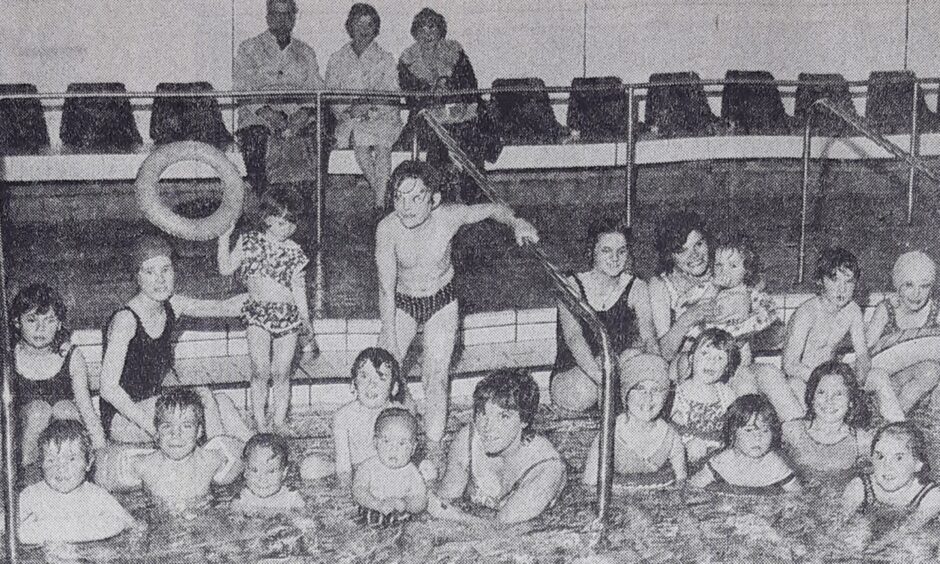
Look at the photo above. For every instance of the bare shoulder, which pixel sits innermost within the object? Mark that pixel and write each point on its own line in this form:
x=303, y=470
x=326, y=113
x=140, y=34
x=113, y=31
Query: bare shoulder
x=123, y=323
x=344, y=415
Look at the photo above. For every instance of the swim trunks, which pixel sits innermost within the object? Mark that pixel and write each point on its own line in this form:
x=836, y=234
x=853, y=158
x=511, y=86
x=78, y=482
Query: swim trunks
x=421, y=309
x=379, y=520
x=277, y=318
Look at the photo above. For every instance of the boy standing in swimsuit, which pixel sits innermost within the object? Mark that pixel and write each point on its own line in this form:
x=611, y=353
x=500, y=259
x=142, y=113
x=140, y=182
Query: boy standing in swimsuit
x=413, y=255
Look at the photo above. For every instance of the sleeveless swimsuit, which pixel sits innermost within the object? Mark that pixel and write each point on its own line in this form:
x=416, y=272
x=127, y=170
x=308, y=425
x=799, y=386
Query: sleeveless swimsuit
x=809, y=453
x=628, y=460
x=892, y=326
x=871, y=500
x=51, y=390
x=147, y=361
x=485, y=487
x=723, y=485
x=619, y=320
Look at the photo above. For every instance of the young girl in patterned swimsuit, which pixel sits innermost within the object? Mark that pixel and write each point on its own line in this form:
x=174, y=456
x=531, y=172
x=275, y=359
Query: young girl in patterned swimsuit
x=272, y=267
x=51, y=378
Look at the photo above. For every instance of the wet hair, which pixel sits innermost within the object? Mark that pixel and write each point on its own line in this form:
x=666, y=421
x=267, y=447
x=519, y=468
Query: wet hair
x=743, y=410
x=147, y=247
x=61, y=431
x=510, y=389
x=915, y=440
x=275, y=443
x=427, y=16
x=42, y=298
x=739, y=242
x=857, y=414
x=359, y=10
x=419, y=170
x=833, y=259
x=293, y=3
x=390, y=414
x=723, y=341
x=603, y=226
x=281, y=201
x=672, y=233
x=181, y=399
x=377, y=357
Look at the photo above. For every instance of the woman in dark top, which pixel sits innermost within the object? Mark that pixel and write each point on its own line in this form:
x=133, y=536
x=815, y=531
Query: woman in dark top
x=139, y=353
x=434, y=63
x=621, y=301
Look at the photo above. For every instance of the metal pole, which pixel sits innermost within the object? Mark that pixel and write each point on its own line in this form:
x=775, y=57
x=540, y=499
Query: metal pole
x=319, y=284
x=630, y=179
x=807, y=140
x=9, y=450
x=414, y=142
x=913, y=149
x=605, y=466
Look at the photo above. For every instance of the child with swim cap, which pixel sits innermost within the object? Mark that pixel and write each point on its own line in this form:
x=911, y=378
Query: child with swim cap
x=266, y=460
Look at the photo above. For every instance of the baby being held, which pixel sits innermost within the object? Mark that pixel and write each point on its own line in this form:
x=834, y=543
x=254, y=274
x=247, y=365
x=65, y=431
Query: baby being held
x=64, y=507
x=266, y=457
x=388, y=487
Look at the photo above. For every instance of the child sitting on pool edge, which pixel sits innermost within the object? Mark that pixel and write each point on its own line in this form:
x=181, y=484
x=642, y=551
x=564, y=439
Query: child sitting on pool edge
x=643, y=441
x=899, y=479
x=376, y=384
x=388, y=488
x=702, y=400
x=749, y=462
x=64, y=507
x=266, y=460
x=180, y=471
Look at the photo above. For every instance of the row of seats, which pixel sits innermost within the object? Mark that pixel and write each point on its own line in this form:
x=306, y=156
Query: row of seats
x=597, y=108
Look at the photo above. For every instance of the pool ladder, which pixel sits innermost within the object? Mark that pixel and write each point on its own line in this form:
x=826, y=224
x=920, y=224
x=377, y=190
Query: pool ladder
x=579, y=306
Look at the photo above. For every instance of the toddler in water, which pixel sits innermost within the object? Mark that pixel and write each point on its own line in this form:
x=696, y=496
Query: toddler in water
x=742, y=308
x=899, y=480
x=376, y=383
x=749, y=461
x=64, y=507
x=272, y=267
x=265, y=459
x=644, y=443
x=181, y=471
x=388, y=487
x=51, y=379
x=701, y=401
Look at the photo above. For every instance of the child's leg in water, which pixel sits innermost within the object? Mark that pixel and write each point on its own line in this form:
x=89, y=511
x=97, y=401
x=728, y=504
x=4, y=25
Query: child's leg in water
x=438, y=343
x=36, y=417
x=282, y=357
x=259, y=351
x=66, y=409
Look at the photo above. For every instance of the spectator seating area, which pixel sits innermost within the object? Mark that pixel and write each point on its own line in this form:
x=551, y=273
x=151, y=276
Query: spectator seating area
x=100, y=139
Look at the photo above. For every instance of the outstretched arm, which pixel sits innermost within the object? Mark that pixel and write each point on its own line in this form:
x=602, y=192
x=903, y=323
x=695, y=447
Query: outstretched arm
x=640, y=302
x=794, y=344
x=540, y=488
x=194, y=307
x=80, y=389
x=387, y=266
x=122, y=329
x=525, y=232
x=857, y=330
x=229, y=259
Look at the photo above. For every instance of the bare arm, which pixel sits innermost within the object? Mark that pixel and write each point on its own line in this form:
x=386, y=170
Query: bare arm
x=122, y=329
x=538, y=491
x=81, y=391
x=702, y=478
x=341, y=449
x=457, y=473
x=792, y=486
x=677, y=460
x=577, y=344
x=388, y=278
x=671, y=335
x=417, y=499
x=228, y=259
x=589, y=477
x=857, y=331
x=362, y=494
x=194, y=307
x=795, y=343
x=640, y=302
x=298, y=288
x=525, y=232
x=852, y=497
x=876, y=325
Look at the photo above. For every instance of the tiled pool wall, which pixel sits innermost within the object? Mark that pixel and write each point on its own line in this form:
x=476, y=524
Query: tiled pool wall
x=513, y=338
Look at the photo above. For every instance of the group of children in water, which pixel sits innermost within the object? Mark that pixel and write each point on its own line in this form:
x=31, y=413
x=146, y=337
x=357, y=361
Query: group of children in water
x=680, y=422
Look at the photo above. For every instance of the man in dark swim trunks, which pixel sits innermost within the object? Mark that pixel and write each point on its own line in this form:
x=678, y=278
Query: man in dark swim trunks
x=413, y=255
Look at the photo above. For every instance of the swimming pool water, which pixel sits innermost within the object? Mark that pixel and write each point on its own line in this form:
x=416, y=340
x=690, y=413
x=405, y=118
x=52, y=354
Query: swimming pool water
x=672, y=525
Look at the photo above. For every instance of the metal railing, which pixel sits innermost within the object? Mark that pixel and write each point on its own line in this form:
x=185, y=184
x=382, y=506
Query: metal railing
x=862, y=126
x=577, y=305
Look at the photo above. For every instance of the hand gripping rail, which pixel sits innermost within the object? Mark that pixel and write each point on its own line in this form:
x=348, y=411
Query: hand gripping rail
x=862, y=126
x=577, y=305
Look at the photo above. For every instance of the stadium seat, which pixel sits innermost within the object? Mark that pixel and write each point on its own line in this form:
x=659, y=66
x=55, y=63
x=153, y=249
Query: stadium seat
x=22, y=122
x=679, y=110
x=832, y=86
x=98, y=123
x=889, y=103
x=525, y=118
x=754, y=109
x=597, y=108
x=179, y=119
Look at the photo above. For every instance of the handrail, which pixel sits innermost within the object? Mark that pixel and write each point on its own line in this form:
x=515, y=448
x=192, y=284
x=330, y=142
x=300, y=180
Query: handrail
x=7, y=449
x=577, y=305
x=861, y=125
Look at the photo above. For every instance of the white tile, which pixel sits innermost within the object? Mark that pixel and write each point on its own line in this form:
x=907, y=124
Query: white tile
x=300, y=395
x=368, y=326
x=201, y=349
x=540, y=315
x=535, y=331
x=489, y=319
x=796, y=300
x=329, y=326
x=237, y=334
x=86, y=337
x=331, y=342
x=483, y=335
x=358, y=341
x=237, y=347
x=193, y=335
x=92, y=353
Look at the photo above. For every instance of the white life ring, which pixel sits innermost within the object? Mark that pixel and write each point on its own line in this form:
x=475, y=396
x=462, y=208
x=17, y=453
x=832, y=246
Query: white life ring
x=161, y=215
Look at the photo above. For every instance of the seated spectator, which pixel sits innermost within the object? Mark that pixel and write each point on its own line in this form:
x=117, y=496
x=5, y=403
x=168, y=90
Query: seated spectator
x=371, y=126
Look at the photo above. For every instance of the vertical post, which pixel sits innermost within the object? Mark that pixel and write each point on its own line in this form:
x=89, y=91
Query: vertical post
x=630, y=178
x=913, y=149
x=6, y=396
x=319, y=284
x=605, y=476
x=807, y=139
x=414, y=142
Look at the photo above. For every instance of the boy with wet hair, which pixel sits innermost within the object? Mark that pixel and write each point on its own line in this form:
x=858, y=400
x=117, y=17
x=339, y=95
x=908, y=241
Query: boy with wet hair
x=266, y=460
x=65, y=507
x=416, y=279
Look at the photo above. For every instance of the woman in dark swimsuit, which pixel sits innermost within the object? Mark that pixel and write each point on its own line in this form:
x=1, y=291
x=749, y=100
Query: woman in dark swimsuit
x=139, y=352
x=621, y=301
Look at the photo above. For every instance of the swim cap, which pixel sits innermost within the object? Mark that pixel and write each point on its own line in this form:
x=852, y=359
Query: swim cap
x=640, y=368
x=912, y=261
x=147, y=247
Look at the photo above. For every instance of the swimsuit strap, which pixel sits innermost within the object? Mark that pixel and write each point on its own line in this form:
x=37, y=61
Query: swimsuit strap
x=580, y=286
x=924, y=490
x=869, y=488
x=518, y=483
